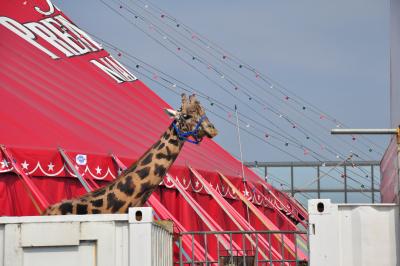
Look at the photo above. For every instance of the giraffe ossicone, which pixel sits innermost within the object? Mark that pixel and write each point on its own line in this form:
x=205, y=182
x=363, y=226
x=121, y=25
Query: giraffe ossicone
x=134, y=185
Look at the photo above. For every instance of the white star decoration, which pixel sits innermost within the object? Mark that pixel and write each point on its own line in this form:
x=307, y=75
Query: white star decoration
x=50, y=167
x=25, y=165
x=4, y=164
x=246, y=193
x=98, y=170
x=197, y=183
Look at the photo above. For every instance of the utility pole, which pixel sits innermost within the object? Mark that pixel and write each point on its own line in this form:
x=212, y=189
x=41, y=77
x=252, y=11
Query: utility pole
x=240, y=142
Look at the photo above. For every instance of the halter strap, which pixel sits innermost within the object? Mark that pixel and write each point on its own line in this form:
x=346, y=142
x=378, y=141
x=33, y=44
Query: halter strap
x=194, y=133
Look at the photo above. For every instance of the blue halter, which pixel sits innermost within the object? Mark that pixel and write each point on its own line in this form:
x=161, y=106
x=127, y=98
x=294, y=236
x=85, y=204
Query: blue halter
x=194, y=133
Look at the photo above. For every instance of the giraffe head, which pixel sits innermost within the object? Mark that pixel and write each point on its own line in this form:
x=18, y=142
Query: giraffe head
x=191, y=116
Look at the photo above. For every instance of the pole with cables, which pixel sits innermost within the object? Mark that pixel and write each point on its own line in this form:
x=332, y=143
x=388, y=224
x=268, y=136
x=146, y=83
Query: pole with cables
x=241, y=158
x=240, y=142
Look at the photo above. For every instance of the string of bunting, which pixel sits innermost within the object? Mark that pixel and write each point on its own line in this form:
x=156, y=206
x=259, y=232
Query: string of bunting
x=206, y=97
x=306, y=151
x=226, y=55
x=210, y=46
x=286, y=143
x=224, y=76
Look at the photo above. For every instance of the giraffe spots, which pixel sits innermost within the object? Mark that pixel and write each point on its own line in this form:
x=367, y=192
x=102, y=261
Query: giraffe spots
x=114, y=203
x=156, y=144
x=97, y=203
x=147, y=159
x=99, y=192
x=66, y=208
x=159, y=170
x=128, y=187
x=174, y=142
x=130, y=169
x=145, y=188
x=166, y=135
x=160, y=156
x=111, y=186
x=81, y=209
x=167, y=156
x=96, y=211
x=162, y=145
x=144, y=172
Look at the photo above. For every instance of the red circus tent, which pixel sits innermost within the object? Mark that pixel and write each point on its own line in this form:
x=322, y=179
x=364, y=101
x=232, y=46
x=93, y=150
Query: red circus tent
x=59, y=88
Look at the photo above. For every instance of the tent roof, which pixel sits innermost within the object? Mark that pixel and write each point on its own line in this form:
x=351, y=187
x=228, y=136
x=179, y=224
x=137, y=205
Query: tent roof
x=70, y=102
x=54, y=95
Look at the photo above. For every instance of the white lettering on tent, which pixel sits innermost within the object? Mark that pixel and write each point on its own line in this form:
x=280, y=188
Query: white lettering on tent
x=47, y=13
x=54, y=26
x=25, y=34
x=50, y=37
x=83, y=36
x=67, y=39
x=60, y=33
x=114, y=69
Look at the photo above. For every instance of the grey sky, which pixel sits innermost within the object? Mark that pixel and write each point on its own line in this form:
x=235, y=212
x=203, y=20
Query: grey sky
x=334, y=54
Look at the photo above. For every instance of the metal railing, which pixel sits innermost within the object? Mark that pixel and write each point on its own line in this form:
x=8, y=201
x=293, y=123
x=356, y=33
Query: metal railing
x=351, y=173
x=251, y=253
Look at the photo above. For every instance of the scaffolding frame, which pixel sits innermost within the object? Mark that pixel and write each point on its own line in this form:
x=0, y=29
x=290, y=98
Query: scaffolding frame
x=318, y=165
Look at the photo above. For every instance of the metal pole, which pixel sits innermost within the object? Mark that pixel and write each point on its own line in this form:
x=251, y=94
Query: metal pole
x=217, y=250
x=180, y=250
x=372, y=184
x=345, y=184
x=291, y=181
x=398, y=163
x=283, y=249
x=365, y=131
x=240, y=142
x=331, y=190
x=270, y=248
x=205, y=248
x=244, y=249
x=309, y=164
x=230, y=249
x=87, y=187
x=295, y=248
x=318, y=182
x=193, y=250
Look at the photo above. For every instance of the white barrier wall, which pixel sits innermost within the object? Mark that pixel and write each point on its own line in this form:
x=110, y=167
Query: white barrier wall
x=348, y=234
x=84, y=240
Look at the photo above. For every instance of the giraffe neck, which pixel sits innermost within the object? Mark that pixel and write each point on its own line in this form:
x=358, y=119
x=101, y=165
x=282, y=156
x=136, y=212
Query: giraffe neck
x=143, y=177
x=133, y=187
x=154, y=164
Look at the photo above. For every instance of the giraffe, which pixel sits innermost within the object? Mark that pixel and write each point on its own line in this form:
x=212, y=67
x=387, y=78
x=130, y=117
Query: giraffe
x=135, y=185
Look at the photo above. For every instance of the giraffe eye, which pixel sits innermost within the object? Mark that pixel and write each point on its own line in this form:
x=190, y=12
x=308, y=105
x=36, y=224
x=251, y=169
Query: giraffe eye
x=187, y=116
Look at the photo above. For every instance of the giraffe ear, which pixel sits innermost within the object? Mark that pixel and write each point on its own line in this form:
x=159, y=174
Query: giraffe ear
x=171, y=112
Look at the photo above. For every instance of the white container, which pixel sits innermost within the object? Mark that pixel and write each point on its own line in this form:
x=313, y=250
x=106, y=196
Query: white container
x=84, y=240
x=349, y=234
